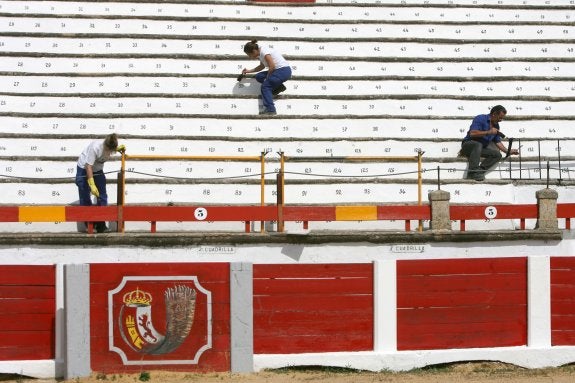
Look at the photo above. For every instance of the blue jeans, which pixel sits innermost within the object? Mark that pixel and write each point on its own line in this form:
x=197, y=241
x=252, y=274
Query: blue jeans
x=84, y=189
x=278, y=77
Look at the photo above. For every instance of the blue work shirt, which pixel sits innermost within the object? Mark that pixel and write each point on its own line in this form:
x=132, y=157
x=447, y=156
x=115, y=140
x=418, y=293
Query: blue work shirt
x=482, y=122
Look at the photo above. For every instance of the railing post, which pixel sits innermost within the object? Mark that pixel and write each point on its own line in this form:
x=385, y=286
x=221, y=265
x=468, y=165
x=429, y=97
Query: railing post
x=121, y=187
x=439, y=201
x=280, y=193
x=262, y=186
x=559, y=158
x=547, y=209
x=419, y=189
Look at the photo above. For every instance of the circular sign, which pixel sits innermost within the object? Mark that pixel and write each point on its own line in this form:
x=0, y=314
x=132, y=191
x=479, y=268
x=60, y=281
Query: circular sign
x=200, y=213
x=490, y=212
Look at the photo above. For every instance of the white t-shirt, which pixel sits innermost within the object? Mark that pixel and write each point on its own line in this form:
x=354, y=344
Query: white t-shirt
x=277, y=58
x=94, y=155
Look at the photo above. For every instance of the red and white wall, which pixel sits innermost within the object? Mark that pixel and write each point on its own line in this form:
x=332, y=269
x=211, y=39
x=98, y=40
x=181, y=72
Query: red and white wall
x=68, y=312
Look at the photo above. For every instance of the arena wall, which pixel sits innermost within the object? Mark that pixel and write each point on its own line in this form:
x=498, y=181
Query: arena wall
x=371, y=78
x=388, y=305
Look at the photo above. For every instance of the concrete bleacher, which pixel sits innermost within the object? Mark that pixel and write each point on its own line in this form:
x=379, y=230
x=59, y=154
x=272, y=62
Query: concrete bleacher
x=371, y=78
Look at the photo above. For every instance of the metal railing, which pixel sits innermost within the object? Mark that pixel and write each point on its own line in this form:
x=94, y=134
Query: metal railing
x=282, y=172
x=126, y=157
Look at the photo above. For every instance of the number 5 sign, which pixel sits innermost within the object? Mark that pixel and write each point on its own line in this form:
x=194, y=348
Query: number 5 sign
x=490, y=212
x=200, y=213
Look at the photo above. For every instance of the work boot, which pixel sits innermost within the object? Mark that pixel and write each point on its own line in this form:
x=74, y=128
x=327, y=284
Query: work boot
x=268, y=113
x=279, y=89
x=475, y=175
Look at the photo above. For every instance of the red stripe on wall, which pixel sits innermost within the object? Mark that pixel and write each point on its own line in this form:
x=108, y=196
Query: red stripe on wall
x=461, y=303
x=27, y=312
x=283, y=1
x=91, y=213
x=27, y=292
x=458, y=212
x=26, y=321
x=332, y=303
x=309, y=213
x=37, y=306
x=9, y=214
x=404, y=212
x=27, y=275
x=313, y=308
x=461, y=266
x=332, y=270
x=27, y=345
x=186, y=213
x=562, y=301
x=565, y=210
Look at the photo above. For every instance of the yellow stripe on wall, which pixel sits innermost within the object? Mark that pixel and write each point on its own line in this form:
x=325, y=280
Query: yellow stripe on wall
x=42, y=214
x=355, y=213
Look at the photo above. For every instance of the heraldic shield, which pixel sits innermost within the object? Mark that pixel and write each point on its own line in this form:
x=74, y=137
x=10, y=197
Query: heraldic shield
x=159, y=320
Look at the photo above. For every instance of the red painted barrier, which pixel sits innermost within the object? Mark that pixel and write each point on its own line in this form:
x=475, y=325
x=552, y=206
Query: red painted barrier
x=562, y=301
x=91, y=213
x=461, y=303
x=27, y=312
x=474, y=212
x=283, y=1
x=188, y=213
x=9, y=213
x=313, y=308
x=251, y=213
x=566, y=211
x=309, y=213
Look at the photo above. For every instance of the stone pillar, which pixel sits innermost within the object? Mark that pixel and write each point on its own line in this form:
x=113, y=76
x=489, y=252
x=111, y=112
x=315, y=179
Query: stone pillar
x=439, y=201
x=547, y=209
x=385, y=310
x=242, y=317
x=77, y=308
x=538, y=301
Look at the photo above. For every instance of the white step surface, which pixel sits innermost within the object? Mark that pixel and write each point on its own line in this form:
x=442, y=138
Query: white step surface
x=341, y=10
x=359, y=49
x=124, y=85
x=383, y=66
x=280, y=128
x=286, y=30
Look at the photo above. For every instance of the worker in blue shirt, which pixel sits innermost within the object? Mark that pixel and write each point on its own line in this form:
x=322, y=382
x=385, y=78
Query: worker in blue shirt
x=484, y=140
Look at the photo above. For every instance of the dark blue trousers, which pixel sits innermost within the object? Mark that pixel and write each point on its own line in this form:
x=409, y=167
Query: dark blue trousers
x=278, y=77
x=84, y=189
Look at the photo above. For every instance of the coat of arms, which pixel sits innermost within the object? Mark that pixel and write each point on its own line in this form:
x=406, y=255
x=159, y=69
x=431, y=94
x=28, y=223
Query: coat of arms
x=159, y=320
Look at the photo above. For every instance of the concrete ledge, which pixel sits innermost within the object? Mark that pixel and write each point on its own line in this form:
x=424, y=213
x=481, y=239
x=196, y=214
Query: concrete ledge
x=39, y=369
x=408, y=360
x=177, y=239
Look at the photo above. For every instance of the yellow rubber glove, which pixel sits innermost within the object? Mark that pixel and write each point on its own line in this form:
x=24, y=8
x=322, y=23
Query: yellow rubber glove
x=121, y=148
x=93, y=187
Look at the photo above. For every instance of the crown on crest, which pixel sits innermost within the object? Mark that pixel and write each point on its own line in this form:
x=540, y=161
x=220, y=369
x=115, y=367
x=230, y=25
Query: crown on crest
x=137, y=298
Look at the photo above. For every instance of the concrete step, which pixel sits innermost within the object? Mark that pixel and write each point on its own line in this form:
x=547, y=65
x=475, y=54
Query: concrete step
x=297, y=29
x=528, y=128
x=339, y=149
x=141, y=47
x=229, y=67
x=212, y=86
x=73, y=106
x=324, y=10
